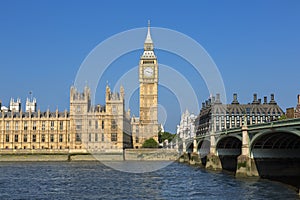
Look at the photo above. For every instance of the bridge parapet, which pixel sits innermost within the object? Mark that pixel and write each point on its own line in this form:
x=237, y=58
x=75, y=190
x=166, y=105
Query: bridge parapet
x=275, y=124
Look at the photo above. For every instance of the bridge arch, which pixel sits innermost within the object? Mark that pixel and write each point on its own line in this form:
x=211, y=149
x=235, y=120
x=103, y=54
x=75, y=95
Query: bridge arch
x=203, y=147
x=229, y=142
x=228, y=148
x=276, y=140
x=203, y=142
x=276, y=144
x=189, y=146
x=277, y=154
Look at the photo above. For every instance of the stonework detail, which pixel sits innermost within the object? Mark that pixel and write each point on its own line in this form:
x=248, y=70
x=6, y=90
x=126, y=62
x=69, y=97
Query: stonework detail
x=186, y=128
x=85, y=126
x=146, y=126
x=297, y=110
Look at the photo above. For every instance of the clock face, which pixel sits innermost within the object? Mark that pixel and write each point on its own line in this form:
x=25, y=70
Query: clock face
x=148, y=71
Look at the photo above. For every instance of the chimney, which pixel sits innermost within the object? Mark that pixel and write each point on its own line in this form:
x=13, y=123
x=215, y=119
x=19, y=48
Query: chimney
x=203, y=105
x=235, y=101
x=255, y=99
x=206, y=103
x=259, y=101
x=298, y=99
x=209, y=101
x=213, y=99
x=265, y=100
x=272, y=99
x=218, y=98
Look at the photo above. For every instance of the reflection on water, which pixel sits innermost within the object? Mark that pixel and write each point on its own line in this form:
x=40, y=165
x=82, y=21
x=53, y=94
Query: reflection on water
x=137, y=166
x=93, y=180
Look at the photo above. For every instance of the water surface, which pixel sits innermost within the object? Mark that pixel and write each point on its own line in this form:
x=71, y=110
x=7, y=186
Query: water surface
x=93, y=180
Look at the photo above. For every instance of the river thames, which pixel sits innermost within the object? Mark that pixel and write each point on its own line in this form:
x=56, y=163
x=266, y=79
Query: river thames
x=93, y=180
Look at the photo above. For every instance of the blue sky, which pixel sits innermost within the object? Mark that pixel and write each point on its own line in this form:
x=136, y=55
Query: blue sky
x=255, y=45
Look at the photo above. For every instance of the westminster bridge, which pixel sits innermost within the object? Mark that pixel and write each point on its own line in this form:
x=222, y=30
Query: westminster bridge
x=265, y=150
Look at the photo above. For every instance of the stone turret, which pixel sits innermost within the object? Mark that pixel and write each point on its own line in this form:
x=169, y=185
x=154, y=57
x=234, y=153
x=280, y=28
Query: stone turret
x=122, y=93
x=297, y=110
x=15, y=105
x=80, y=102
x=30, y=105
x=107, y=93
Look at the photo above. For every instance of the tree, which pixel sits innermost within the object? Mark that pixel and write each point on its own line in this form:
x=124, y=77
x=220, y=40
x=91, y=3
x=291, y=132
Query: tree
x=282, y=117
x=162, y=136
x=150, y=143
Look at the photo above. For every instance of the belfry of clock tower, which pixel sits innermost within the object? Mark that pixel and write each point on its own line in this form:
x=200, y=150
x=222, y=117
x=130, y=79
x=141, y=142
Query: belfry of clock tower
x=148, y=78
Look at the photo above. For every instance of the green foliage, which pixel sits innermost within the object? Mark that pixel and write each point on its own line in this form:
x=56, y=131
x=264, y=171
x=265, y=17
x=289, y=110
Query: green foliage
x=282, y=117
x=150, y=143
x=162, y=136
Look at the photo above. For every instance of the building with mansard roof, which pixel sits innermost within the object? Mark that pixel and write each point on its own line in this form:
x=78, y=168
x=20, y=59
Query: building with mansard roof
x=216, y=116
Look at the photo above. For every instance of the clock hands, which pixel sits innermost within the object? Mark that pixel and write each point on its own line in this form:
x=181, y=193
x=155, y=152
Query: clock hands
x=148, y=71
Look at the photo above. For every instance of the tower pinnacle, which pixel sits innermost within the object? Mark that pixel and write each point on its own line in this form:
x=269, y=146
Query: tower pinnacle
x=148, y=38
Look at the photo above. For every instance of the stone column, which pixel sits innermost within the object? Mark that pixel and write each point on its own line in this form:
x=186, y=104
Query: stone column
x=245, y=164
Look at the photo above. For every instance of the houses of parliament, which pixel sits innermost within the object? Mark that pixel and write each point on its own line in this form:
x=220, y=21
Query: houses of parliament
x=85, y=126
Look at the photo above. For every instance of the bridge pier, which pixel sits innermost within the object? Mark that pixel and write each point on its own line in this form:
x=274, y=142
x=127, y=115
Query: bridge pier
x=246, y=165
x=194, y=157
x=195, y=146
x=213, y=161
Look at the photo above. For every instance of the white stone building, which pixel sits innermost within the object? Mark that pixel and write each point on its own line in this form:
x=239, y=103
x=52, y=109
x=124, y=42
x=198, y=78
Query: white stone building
x=186, y=128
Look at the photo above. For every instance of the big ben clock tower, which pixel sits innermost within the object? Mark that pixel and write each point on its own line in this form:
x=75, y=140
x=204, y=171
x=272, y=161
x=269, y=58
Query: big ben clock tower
x=148, y=78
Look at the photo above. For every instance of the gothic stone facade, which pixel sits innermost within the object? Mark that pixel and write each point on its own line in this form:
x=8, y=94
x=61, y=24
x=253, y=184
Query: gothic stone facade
x=146, y=126
x=88, y=126
x=96, y=128
x=297, y=109
x=186, y=128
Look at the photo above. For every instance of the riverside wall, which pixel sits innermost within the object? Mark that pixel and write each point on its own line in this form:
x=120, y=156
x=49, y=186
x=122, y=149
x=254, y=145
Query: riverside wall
x=151, y=154
x=83, y=155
